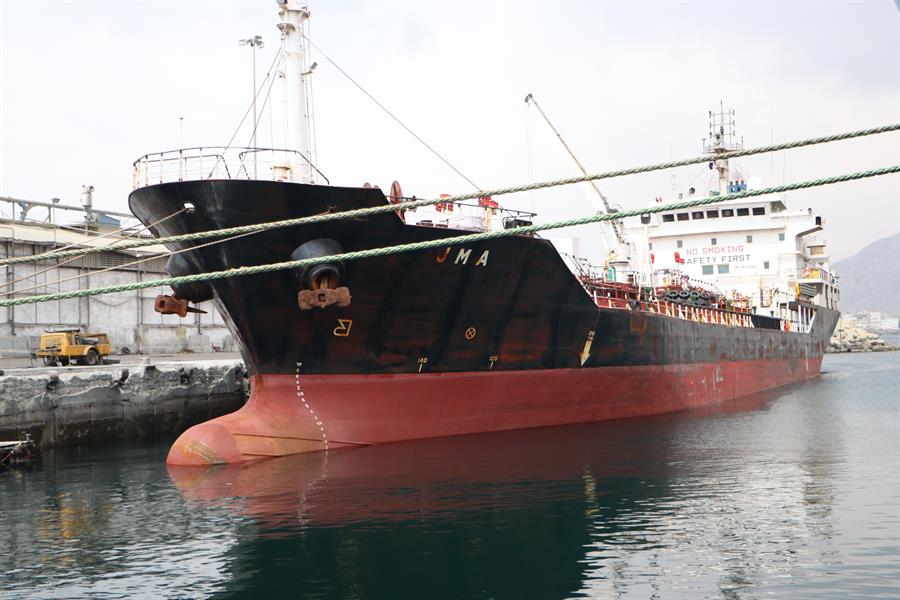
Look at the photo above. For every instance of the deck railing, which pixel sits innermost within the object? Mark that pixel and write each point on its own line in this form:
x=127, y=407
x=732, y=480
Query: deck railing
x=219, y=162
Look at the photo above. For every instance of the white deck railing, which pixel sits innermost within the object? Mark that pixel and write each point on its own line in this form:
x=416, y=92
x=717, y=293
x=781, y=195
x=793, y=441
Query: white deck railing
x=218, y=162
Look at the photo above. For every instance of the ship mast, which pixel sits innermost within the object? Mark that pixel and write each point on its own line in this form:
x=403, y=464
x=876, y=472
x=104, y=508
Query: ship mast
x=722, y=139
x=293, y=17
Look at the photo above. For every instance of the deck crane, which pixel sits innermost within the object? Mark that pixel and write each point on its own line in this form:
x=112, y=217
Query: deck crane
x=622, y=246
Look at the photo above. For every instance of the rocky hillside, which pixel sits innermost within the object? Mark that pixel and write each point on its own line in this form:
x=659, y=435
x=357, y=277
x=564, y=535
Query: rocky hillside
x=870, y=279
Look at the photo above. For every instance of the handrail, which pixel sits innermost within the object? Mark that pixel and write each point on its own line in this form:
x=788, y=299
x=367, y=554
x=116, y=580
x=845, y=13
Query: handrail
x=297, y=152
x=199, y=163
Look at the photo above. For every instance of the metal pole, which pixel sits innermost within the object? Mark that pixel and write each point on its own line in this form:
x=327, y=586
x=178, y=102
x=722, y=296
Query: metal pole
x=293, y=14
x=254, y=42
x=140, y=314
x=181, y=165
x=254, y=122
x=11, y=276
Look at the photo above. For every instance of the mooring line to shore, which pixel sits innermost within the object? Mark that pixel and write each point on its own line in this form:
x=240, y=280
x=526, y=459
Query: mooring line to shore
x=387, y=208
x=132, y=263
x=442, y=242
x=108, y=247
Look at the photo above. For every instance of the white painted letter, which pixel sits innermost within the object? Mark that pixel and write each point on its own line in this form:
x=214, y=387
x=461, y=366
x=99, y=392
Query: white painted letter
x=462, y=256
x=482, y=260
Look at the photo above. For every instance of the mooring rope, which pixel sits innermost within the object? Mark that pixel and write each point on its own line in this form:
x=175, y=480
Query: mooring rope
x=109, y=247
x=132, y=263
x=387, y=208
x=442, y=242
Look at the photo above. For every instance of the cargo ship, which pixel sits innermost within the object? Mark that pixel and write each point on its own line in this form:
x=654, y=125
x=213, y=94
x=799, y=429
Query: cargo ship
x=496, y=335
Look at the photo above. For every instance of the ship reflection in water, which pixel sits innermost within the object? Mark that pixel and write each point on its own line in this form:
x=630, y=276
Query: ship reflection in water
x=528, y=514
x=429, y=479
x=761, y=496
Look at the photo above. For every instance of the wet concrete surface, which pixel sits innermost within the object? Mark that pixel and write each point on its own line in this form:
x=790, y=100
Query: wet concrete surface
x=142, y=397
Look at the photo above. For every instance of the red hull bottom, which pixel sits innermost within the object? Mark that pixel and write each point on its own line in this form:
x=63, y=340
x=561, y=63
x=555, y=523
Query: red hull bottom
x=291, y=414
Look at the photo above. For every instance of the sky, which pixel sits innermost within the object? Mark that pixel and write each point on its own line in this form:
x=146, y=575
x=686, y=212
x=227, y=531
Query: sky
x=88, y=87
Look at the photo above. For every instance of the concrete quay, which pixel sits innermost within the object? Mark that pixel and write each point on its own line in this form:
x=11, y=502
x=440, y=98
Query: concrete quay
x=144, y=398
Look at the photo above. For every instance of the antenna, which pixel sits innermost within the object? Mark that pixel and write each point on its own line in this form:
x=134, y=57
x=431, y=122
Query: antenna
x=722, y=138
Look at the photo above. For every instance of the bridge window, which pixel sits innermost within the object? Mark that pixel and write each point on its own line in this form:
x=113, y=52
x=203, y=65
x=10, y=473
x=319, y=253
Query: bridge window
x=749, y=239
x=759, y=210
x=723, y=268
x=713, y=241
x=683, y=216
x=712, y=214
x=743, y=212
x=780, y=237
x=668, y=218
x=697, y=215
x=707, y=269
x=727, y=212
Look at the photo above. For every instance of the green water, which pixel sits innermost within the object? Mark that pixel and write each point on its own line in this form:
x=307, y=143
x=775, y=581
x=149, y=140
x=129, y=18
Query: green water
x=794, y=494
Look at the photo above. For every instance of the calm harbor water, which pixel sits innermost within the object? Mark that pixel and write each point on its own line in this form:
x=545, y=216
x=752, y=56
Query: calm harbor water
x=794, y=494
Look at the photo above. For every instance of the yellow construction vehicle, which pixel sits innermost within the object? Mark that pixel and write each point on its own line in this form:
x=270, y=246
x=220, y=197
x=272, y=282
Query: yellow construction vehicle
x=68, y=346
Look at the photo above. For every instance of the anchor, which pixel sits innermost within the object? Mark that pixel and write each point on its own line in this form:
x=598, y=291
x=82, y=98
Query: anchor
x=173, y=305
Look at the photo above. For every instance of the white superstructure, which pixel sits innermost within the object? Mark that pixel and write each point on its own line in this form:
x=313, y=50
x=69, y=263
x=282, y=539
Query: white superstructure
x=755, y=249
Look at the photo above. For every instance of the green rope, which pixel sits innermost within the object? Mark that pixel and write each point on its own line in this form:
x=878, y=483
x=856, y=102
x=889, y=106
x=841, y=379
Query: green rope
x=365, y=212
x=443, y=242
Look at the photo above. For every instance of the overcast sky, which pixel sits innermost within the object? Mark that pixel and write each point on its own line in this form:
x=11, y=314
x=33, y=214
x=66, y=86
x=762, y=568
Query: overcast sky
x=88, y=87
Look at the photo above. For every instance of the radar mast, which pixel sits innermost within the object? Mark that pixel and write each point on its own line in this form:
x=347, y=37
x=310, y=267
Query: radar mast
x=722, y=139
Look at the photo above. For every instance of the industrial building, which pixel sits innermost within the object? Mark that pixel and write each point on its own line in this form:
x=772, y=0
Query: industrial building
x=31, y=228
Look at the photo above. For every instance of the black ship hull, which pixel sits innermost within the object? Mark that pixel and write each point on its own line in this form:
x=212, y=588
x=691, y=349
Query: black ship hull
x=495, y=327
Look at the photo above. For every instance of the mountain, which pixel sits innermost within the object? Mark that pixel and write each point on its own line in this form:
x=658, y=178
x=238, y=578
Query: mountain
x=870, y=279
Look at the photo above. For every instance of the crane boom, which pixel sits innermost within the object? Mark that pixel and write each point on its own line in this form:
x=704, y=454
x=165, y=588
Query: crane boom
x=616, y=225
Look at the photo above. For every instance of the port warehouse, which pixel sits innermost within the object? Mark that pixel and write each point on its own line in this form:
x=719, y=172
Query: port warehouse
x=128, y=317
